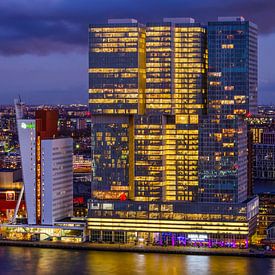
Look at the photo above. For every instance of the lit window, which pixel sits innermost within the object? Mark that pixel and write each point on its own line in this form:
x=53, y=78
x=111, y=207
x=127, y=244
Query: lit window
x=214, y=83
x=229, y=88
x=227, y=46
x=215, y=74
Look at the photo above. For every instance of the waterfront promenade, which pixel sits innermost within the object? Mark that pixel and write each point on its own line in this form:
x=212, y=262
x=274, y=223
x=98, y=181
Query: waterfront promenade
x=142, y=249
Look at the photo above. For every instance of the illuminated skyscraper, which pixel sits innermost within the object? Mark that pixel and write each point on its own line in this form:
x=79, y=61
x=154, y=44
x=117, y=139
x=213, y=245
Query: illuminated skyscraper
x=117, y=91
x=232, y=95
x=152, y=163
x=176, y=63
x=164, y=159
x=233, y=68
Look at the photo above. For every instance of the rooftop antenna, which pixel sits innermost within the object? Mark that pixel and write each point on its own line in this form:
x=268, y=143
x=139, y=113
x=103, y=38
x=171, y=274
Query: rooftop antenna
x=19, y=110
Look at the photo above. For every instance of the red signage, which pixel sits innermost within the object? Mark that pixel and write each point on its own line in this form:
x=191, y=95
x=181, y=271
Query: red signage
x=78, y=200
x=123, y=197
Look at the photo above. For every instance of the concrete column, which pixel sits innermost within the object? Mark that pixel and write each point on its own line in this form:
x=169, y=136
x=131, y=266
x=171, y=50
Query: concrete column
x=113, y=236
x=101, y=235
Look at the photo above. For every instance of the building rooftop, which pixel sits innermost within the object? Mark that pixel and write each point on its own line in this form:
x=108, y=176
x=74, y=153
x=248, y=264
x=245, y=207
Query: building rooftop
x=122, y=21
x=178, y=20
x=230, y=18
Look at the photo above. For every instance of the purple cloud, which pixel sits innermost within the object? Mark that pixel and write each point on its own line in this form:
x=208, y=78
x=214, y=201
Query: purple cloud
x=45, y=26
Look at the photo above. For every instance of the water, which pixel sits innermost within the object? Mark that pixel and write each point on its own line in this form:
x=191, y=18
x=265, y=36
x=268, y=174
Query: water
x=19, y=260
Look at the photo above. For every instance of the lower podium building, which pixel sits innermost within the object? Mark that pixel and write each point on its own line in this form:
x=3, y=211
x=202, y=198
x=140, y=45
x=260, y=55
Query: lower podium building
x=173, y=223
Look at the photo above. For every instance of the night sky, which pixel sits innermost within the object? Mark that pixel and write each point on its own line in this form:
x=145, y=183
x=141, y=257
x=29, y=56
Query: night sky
x=44, y=48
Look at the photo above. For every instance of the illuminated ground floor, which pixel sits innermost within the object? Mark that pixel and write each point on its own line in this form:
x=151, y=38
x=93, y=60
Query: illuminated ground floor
x=175, y=233
x=167, y=239
x=67, y=232
x=163, y=223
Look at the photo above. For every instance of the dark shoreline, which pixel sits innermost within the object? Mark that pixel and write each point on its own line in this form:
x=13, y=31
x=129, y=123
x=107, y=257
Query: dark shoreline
x=137, y=249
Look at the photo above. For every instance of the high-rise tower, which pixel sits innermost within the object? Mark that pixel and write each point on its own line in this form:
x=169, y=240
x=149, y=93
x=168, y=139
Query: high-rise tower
x=168, y=149
x=232, y=95
x=117, y=93
x=233, y=68
x=149, y=126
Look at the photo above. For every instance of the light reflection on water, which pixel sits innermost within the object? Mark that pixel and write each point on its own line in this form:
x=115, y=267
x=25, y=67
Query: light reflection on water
x=18, y=260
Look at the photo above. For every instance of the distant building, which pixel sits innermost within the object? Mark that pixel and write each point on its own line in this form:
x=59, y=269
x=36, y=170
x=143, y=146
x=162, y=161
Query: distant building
x=81, y=164
x=264, y=181
x=268, y=137
x=81, y=124
x=10, y=186
x=264, y=157
x=266, y=213
x=271, y=232
x=8, y=177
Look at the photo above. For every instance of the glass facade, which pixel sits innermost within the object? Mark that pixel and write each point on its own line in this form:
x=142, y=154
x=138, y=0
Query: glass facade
x=153, y=120
x=148, y=159
x=116, y=93
x=223, y=161
x=166, y=136
x=232, y=95
x=264, y=163
x=110, y=157
x=232, y=75
x=116, y=69
x=159, y=82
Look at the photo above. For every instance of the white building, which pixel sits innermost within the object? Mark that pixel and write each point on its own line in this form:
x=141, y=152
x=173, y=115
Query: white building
x=47, y=167
x=57, y=179
x=27, y=134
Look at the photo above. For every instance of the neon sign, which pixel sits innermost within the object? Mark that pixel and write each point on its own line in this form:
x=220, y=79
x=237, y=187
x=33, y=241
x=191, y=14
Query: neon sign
x=25, y=125
x=197, y=237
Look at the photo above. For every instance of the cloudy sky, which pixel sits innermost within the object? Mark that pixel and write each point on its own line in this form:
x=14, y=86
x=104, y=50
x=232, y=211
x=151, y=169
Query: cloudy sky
x=43, y=43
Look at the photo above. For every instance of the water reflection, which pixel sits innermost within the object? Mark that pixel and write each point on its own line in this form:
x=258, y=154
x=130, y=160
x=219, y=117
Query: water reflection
x=197, y=265
x=16, y=260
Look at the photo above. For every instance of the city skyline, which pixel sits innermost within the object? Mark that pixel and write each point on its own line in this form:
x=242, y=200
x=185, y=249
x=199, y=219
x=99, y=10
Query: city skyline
x=39, y=45
x=141, y=127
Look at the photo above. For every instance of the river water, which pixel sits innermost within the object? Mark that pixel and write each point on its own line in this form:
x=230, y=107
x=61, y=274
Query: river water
x=20, y=260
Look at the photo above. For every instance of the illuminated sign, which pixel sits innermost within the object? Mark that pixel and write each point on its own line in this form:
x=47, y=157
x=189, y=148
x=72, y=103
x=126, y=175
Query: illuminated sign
x=94, y=206
x=107, y=206
x=123, y=197
x=78, y=200
x=197, y=237
x=25, y=125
